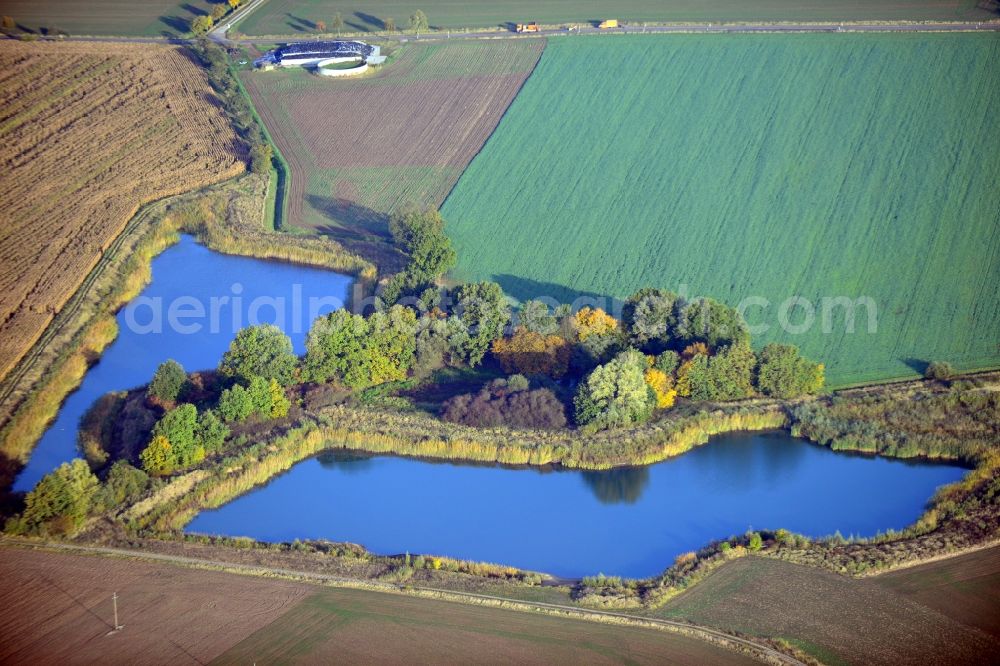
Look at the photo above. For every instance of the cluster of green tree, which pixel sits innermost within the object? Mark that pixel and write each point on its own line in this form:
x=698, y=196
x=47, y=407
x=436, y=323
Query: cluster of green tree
x=663, y=346
x=60, y=503
x=200, y=25
x=216, y=63
x=507, y=402
x=388, y=345
x=420, y=234
x=255, y=370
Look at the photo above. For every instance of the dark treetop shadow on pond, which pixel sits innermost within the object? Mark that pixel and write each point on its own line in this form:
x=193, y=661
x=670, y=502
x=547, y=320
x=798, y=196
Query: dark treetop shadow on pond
x=617, y=486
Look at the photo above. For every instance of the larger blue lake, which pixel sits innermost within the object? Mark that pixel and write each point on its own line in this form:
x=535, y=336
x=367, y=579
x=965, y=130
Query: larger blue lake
x=190, y=312
x=629, y=522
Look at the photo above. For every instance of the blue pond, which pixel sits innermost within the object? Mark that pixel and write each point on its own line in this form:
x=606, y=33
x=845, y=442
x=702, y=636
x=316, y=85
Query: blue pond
x=189, y=279
x=630, y=522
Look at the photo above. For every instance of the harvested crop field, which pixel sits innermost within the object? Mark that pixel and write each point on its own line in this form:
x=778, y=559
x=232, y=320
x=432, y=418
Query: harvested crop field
x=89, y=133
x=891, y=619
x=827, y=167
x=297, y=16
x=360, y=149
x=57, y=609
x=169, y=18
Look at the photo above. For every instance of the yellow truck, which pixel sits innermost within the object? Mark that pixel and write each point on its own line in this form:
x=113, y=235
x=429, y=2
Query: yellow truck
x=527, y=27
x=608, y=23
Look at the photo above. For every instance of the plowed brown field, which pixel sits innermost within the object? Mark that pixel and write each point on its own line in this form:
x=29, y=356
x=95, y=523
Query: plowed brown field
x=88, y=134
x=936, y=613
x=358, y=149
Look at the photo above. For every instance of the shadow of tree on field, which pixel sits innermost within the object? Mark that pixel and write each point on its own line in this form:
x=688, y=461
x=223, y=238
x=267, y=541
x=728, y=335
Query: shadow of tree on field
x=372, y=21
x=345, y=211
x=360, y=229
x=299, y=24
x=524, y=289
x=916, y=364
x=194, y=11
x=177, y=24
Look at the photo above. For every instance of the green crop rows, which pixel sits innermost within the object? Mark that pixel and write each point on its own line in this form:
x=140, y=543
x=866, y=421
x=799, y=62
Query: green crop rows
x=758, y=165
x=278, y=17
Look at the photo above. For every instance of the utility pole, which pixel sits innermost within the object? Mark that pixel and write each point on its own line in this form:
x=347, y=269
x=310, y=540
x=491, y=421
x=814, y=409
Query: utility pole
x=114, y=600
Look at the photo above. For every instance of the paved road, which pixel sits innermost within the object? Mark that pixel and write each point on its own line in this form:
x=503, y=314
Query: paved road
x=760, y=651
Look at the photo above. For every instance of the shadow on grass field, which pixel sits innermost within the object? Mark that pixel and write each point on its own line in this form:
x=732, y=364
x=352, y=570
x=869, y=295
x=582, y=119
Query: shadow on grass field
x=943, y=612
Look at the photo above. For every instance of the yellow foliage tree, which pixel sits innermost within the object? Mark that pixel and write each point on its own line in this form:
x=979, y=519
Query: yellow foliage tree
x=593, y=321
x=157, y=457
x=684, y=379
x=696, y=349
x=530, y=353
x=818, y=379
x=279, y=402
x=663, y=387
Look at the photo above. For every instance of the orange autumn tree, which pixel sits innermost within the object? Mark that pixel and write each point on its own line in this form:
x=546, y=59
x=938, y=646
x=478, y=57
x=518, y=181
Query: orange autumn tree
x=530, y=353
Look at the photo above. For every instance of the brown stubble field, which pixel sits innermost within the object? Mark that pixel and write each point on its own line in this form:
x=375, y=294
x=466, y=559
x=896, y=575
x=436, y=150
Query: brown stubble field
x=88, y=134
x=56, y=608
x=359, y=149
x=943, y=612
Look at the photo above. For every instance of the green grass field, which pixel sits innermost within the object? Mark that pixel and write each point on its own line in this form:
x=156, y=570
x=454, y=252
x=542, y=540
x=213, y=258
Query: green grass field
x=294, y=16
x=107, y=17
x=771, y=166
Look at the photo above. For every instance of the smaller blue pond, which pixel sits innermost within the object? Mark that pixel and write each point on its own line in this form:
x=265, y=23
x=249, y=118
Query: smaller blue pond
x=190, y=312
x=630, y=522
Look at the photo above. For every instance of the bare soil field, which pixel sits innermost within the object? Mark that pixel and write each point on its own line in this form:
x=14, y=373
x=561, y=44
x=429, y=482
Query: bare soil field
x=57, y=609
x=351, y=626
x=964, y=588
x=361, y=148
x=88, y=134
x=942, y=612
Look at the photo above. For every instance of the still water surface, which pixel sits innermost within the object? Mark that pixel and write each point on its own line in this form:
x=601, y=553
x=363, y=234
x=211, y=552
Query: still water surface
x=190, y=279
x=629, y=522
